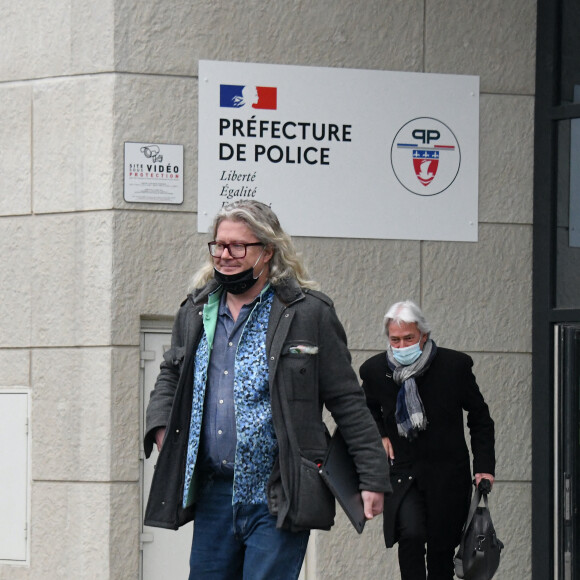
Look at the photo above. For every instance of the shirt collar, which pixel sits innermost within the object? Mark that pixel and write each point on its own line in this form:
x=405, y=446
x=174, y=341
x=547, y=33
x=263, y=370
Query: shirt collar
x=223, y=308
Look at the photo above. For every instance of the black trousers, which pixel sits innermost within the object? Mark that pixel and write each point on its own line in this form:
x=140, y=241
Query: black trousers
x=412, y=533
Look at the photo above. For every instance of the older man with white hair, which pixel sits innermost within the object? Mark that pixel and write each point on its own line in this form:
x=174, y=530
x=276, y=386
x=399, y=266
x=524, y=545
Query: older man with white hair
x=417, y=393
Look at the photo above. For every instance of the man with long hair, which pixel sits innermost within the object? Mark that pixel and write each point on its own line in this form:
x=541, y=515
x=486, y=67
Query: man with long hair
x=237, y=408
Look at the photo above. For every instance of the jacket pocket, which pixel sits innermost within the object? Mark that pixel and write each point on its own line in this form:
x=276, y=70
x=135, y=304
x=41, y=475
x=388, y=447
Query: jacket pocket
x=299, y=365
x=315, y=507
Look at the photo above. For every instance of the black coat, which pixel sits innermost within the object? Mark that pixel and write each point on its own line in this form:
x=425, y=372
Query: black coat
x=438, y=460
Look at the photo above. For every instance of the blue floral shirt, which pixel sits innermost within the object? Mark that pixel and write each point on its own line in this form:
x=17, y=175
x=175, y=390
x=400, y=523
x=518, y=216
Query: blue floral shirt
x=256, y=447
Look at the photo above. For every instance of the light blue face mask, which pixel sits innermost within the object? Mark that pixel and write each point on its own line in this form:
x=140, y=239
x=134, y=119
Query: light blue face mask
x=407, y=355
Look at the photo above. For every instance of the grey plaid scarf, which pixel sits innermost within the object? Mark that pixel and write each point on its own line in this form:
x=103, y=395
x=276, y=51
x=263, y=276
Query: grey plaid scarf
x=410, y=413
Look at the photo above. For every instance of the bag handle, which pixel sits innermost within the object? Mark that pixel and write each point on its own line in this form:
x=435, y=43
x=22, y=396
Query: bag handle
x=474, y=504
x=482, y=489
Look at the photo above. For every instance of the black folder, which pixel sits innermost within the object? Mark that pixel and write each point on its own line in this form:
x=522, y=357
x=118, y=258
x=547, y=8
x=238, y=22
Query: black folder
x=339, y=473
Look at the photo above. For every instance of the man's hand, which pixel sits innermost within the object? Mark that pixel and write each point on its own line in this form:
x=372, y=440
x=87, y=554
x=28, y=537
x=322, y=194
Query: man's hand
x=388, y=448
x=480, y=476
x=373, y=503
x=159, y=436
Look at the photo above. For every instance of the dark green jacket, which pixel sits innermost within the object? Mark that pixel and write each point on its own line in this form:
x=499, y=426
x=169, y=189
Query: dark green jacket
x=300, y=385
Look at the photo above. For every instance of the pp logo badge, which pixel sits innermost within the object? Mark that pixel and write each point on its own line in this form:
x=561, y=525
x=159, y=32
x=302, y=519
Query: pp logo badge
x=425, y=156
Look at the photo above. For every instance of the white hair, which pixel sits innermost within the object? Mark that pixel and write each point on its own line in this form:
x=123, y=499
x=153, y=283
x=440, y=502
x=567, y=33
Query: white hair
x=406, y=312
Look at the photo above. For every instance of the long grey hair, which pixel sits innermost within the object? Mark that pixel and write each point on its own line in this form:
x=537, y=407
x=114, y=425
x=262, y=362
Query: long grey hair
x=264, y=223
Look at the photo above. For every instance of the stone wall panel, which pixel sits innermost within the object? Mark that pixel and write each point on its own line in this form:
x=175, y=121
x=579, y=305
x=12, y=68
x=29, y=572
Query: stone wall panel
x=385, y=35
x=156, y=255
x=71, y=414
x=363, y=277
x=478, y=296
x=71, y=293
x=15, y=144
x=72, y=144
x=42, y=38
x=14, y=368
x=16, y=282
x=125, y=411
x=505, y=153
x=492, y=39
x=505, y=381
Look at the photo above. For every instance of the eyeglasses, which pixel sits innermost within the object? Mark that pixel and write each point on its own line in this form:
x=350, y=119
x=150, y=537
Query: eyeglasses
x=236, y=250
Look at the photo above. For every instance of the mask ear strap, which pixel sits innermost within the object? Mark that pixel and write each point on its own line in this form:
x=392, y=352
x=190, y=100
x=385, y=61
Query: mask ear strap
x=256, y=263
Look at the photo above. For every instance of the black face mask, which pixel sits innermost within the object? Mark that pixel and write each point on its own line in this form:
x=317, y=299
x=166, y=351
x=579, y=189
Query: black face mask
x=236, y=283
x=240, y=282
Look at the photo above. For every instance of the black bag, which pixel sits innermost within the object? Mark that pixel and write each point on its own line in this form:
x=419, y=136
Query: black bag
x=479, y=550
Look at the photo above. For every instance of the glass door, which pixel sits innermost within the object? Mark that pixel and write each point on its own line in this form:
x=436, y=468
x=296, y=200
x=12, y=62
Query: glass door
x=567, y=453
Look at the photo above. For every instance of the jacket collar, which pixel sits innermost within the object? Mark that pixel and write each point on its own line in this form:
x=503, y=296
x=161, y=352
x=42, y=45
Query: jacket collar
x=288, y=291
x=199, y=295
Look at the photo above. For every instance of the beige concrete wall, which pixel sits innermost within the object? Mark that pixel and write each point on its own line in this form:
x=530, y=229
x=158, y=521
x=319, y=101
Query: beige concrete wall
x=80, y=266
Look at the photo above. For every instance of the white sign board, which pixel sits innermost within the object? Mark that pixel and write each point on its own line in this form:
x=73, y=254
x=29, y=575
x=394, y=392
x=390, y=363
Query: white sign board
x=340, y=152
x=153, y=173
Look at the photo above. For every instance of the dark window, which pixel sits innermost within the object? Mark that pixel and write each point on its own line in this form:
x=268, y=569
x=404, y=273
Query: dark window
x=556, y=291
x=570, y=49
x=568, y=215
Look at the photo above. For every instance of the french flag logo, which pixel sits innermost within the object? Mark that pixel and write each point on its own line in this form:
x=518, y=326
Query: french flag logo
x=238, y=96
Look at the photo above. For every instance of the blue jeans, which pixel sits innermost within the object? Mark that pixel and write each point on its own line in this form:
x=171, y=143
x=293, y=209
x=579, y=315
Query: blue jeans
x=241, y=542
